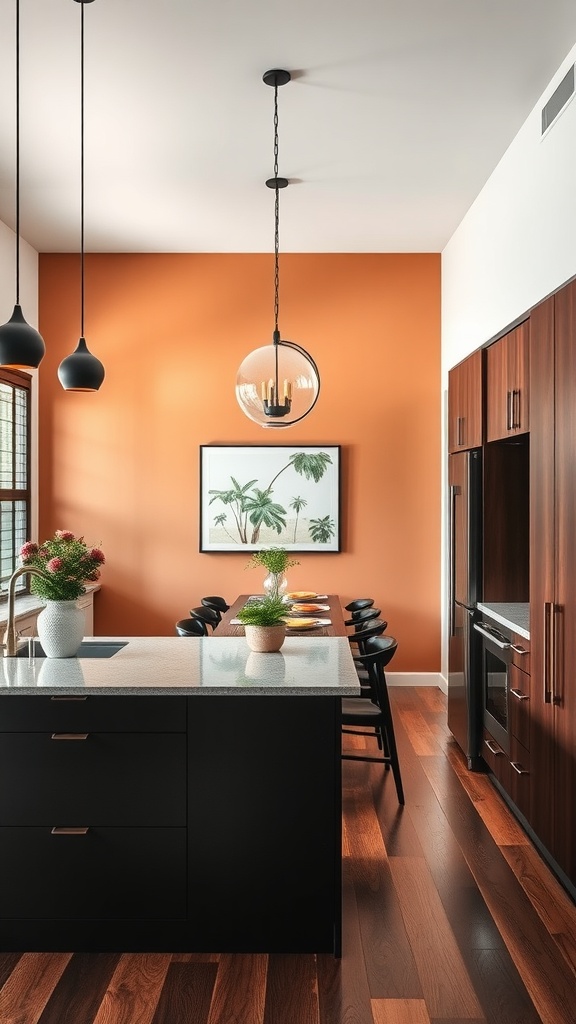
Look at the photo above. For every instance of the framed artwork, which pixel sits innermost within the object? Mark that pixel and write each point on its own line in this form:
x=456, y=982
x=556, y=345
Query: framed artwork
x=258, y=496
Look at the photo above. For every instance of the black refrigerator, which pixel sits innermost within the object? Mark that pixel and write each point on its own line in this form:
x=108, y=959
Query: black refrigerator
x=465, y=582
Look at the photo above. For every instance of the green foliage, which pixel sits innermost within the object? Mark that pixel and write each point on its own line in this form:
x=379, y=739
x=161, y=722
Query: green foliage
x=275, y=560
x=66, y=563
x=322, y=530
x=268, y=611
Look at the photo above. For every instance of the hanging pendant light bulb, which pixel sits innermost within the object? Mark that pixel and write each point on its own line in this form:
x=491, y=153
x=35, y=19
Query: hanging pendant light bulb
x=277, y=385
x=81, y=371
x=21, y=346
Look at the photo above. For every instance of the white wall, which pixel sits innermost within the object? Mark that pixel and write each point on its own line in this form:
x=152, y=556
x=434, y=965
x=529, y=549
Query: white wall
x=516, y=244
x=29, y=303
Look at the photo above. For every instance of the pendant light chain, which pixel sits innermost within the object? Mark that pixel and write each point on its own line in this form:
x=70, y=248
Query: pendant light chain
x=17, y=152
x=276, y=213
x=81, y=170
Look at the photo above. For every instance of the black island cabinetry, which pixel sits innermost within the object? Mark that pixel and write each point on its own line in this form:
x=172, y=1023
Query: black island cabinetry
x=170, y=823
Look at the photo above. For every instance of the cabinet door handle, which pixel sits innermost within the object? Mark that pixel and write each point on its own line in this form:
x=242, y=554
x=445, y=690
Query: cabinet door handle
x=508, y=410
x=519, y=695
x=556, y=683
x=458, y=430
x=493, y=748
x=518, y=768
x=70, y=735
x=546, y=653
x=69, y=830
x=516, y=409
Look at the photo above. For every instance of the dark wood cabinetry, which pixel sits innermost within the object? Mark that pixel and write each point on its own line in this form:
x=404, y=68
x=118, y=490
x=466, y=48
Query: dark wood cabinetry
x=507, y=385
x=552, y=574
x=465, y=404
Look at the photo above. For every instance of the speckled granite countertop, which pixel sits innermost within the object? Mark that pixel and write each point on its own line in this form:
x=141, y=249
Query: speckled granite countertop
x=515, y=616
x=190, y=666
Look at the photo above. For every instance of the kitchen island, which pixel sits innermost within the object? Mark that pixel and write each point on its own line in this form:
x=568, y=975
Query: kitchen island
x=183, y=795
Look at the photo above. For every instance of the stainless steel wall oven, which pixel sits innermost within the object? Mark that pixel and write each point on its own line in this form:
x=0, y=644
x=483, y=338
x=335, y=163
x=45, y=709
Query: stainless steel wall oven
x=497, y=649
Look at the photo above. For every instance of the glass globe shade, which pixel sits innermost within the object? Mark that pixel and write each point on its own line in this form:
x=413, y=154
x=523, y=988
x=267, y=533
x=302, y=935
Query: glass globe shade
x=298, y=384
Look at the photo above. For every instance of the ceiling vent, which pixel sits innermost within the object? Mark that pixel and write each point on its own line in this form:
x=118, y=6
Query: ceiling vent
x=558, y=100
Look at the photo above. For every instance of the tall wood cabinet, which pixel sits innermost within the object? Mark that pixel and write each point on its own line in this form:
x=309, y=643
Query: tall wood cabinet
x=507, y=387
x=553, y=575
x=465, y=403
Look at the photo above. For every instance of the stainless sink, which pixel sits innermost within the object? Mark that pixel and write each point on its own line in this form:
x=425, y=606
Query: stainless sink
x=88, y=649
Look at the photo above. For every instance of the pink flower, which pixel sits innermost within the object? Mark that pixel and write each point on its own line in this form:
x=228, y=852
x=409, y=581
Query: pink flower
x=54, y=565
x=64, y=535
x=28, y=549
x=96, y=555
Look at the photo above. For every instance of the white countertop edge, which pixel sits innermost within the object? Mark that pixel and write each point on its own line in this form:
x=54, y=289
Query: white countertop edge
x=514, y=615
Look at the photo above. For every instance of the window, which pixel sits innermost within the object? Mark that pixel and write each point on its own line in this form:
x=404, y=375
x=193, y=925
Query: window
x=14, y=471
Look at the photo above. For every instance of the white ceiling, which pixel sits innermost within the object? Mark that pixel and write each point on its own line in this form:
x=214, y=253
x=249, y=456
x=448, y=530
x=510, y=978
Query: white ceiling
x=397, y=114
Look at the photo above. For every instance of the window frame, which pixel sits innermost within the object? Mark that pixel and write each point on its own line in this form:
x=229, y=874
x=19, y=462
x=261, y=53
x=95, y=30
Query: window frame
x=22, y=380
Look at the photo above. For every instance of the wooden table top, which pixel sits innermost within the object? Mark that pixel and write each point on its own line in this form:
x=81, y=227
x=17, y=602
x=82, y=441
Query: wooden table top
x=337, y=627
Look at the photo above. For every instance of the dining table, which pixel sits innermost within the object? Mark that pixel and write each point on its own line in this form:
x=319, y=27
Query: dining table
x=332, y=619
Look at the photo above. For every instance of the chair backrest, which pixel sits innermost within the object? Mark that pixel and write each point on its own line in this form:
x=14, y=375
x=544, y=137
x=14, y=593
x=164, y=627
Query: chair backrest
x=360, y=618
x=206, y=614
x=216, y=602
x=377, y=653
x=374, y=628
x=191, y=627
x=358, y=603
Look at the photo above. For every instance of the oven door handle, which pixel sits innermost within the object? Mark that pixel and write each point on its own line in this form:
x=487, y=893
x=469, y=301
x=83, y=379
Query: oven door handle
x=490, y=636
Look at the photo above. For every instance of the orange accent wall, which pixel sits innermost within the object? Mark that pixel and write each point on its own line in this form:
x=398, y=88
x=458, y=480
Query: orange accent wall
x=121, y=466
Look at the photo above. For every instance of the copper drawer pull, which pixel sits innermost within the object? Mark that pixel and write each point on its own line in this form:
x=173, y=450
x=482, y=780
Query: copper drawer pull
x=70, y=735
x=519, y=695
x=68, y=698
x=518, y=768
x=493, y=748
x=68, y=830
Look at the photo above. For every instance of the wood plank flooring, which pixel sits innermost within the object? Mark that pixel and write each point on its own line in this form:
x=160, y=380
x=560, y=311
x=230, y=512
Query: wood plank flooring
x=450, y=917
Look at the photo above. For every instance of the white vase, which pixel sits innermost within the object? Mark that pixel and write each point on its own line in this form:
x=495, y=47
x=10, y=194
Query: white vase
x=275, y=584
x=61, y=628
x=265, y=639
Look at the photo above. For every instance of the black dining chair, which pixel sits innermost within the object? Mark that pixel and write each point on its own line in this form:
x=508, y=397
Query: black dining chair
x=207, y=615
x=363, y=615
x=374, y=712
x=358, y=639
x=218, y=604
x=358, y=603
x=191, y=627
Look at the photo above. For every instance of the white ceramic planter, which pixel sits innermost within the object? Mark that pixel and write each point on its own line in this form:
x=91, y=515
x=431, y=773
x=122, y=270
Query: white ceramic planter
x=265, y=639
x=61, y=628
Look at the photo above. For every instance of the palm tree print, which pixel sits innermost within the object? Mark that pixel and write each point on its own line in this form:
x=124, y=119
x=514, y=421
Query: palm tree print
x=253, y=507
x=322, y=530
x=297, y=504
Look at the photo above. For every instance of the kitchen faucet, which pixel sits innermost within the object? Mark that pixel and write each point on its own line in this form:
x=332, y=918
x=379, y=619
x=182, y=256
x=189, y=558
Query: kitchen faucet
x=10, y=644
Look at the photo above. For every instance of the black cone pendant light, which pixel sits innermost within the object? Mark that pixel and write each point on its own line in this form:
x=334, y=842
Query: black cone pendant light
x=277, y=385
x=21, y=346
x=81, y=371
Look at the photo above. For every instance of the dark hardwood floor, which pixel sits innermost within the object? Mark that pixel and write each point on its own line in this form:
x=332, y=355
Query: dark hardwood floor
x=450, y=917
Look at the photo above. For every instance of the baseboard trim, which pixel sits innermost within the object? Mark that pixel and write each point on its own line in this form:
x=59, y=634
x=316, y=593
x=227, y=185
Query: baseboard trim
x=416, y=679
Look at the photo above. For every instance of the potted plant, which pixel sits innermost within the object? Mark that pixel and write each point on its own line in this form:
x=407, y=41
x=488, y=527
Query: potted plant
x=276, y=561
x=62, y=565
x=263, y=622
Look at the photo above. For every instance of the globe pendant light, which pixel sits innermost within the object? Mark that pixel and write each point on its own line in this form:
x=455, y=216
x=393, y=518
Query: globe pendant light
x=81, y=371
x=21, y=346
x=277, y=385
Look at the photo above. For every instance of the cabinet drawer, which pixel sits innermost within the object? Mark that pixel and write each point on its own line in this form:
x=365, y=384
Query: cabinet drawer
x=497, y=759
x=519, y=705
x=92, y=714
x=520, y=777
x=106, y=779
x=107, y=873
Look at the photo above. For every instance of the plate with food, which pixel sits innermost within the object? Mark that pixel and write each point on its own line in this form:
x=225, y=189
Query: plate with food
x=301, y=623
x=302, y=595
x=310, y=609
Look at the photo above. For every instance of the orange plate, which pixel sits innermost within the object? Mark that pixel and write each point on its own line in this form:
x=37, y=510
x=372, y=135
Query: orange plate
x=301, y=595
x=309, y=608
x=301, y=623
